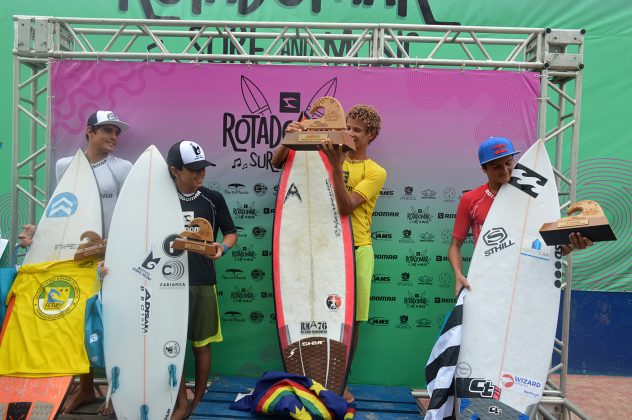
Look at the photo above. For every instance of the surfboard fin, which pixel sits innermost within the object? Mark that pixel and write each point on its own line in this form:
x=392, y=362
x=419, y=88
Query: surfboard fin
x=173, y=378
x=144, y=412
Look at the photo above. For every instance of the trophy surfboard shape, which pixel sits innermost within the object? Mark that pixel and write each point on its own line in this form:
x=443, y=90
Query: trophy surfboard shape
x=510, y=314
x=314, y=273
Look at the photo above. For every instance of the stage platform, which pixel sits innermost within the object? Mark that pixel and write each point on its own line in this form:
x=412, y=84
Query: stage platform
x=372, y=401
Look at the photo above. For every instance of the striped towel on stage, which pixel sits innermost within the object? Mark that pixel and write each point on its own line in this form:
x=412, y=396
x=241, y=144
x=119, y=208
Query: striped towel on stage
x=442, y=364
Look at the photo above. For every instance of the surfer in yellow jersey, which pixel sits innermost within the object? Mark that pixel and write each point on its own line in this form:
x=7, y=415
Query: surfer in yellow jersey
x=358, y=181
x=187, y=167
x=103, y=130
x=496, y=156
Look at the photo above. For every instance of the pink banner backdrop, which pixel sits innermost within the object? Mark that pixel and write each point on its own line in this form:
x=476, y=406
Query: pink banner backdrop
x=432, y=123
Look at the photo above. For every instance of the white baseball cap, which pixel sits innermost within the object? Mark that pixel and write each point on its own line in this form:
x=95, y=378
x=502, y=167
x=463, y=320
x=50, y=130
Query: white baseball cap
x=106, y=118
x=188, y=154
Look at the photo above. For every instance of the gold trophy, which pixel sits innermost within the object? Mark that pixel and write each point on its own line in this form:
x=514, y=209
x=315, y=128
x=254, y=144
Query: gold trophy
x=198, y=237
x=585, y=217
x=331, y=125
x=93, y=246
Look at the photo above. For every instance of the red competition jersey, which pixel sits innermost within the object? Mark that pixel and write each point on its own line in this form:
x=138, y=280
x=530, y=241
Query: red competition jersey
x=472, y=212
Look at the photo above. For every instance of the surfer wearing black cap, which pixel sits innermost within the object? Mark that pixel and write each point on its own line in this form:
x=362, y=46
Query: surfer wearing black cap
x=496, y=156
x=187, y=167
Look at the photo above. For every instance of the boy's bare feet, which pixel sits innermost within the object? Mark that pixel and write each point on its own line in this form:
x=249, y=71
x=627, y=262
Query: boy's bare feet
x=182, y=411
x=348, y=396
x=106, y=410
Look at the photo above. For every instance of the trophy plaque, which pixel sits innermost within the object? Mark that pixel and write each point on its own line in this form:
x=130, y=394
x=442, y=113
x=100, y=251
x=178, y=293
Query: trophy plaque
x=93, y=246
x=198, y=237
x=331, y=125
x=585, y=217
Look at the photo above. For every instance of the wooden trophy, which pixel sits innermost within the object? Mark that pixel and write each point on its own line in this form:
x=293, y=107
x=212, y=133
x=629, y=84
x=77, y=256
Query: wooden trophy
x=331, y=125
x=93, y=246
x=198, y=237
x=585, y=217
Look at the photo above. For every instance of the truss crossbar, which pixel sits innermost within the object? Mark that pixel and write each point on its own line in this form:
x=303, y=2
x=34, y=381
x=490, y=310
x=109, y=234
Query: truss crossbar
x=556, y=54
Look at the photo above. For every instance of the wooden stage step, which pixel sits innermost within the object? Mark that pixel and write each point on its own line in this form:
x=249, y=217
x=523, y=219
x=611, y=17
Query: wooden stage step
x=373, y=402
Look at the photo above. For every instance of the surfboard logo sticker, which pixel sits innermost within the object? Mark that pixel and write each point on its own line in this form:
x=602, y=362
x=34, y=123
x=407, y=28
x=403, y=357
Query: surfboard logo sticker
x=333, y=302
x=292, y=191
x=522, y=384
x=536, y=249
x=173, y=270
x=313, y=327
x=171, y=349
x=477, y=388
x=334, y=209
x=166, y=246
x=144, y=305
x=527, y=180
x=56, y=298
x=62, y=205
x=496, y=239
x=149, y=264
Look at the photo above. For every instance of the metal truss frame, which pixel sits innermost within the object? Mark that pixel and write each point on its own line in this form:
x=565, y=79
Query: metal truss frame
x=555, y=54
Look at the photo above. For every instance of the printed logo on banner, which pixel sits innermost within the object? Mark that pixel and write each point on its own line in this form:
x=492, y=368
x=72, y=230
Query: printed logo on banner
x=425, y=280
x=267, y=295
x=404, y=280
x=446, y=236
x=245, y=211
x=62, y=205
x=416, y=300
x=378, y=298
x=242, y=295
x=233, y=317
x=381, y=278
x=406, y=237
x=417, y=258
x=428, y=194
x=243, y=254
x=378, y=321
x=260, y=189
x=527, y=180
x=416, y=215
x=391, y=214
x=424, y=323
x=290, y=102
x=233, y=274
x=408, y=193
x=426, y=237
x=403, y=323
x=388, y=257
x=381, y=235
x=257, y=274
x=497, y=240
x=444, y=300
x=387, y=193
x=235, y=188
x=449, y=194
x=215, y=186
x=442, y=215
x=259, y=232
x=445, y=279
x=256, y=317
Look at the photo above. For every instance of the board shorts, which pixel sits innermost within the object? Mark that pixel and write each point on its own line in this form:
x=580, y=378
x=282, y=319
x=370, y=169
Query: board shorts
x=204, y=322
x=364, y=265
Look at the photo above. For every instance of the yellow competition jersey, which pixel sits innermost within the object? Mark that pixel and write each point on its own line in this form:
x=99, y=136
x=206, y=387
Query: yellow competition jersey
x=367, y=179
x=44, y=335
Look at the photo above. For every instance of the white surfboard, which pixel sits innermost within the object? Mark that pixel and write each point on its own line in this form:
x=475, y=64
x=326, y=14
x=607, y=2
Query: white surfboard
x=510, y=315
x=314, y=273
x=145, y=294
x=74, y=208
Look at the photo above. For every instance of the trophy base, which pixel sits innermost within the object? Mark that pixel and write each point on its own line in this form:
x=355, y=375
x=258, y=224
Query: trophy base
x=311, y=140
x=203, y=248
x=554, y=235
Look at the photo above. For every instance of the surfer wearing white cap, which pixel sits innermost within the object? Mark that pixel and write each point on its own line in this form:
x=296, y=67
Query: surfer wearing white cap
x=496, y=156
x=103, y=129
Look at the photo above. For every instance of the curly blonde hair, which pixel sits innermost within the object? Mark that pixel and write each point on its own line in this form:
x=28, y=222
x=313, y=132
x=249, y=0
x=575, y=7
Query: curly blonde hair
x=368, y=116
